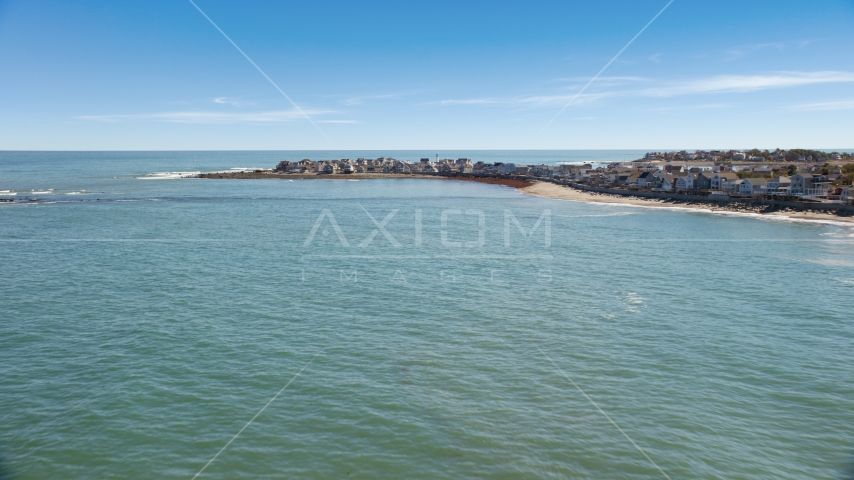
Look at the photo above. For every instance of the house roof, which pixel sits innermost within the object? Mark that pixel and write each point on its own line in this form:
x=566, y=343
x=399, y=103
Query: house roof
x=727, y=175
x=756, y=181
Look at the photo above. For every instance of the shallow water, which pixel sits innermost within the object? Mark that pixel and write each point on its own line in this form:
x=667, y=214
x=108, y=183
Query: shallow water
x=144, y=323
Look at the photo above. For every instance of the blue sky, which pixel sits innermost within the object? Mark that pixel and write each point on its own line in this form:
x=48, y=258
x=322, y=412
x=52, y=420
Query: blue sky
x=155, y=75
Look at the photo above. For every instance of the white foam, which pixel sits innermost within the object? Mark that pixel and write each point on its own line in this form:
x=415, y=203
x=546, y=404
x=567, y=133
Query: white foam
x=168, y=175
x=761, y=216
x=244, y=170
x=617, y=214
x=49, y=191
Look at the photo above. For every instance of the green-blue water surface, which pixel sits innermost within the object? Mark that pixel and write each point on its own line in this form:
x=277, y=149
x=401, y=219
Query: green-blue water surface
x=143, y=323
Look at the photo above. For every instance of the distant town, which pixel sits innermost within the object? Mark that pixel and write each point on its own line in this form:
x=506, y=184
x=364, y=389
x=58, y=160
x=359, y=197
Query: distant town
x=803, y=175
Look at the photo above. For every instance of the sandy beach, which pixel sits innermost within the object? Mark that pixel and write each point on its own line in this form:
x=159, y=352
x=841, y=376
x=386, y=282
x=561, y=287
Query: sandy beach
x=551, y=190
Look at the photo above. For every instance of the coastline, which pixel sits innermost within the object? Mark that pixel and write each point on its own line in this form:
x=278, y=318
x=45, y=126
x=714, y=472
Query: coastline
x=551, y=190
x=267, y=175
x=560, y=192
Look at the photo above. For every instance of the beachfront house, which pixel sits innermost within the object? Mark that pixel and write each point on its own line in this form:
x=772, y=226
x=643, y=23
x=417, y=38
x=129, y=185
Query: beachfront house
x=801, y=184
x=400, y=167
x=721, y=180
x=752, y=186
x=667, y=182
x=646, y=179
x=703, y=181
x=684, y=182
x=778, y=185
x=632, y=181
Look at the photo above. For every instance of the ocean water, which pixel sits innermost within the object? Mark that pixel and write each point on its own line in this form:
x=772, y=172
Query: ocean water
x=423, y=328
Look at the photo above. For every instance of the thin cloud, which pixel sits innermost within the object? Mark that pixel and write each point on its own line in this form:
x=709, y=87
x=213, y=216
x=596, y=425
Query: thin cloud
x=748, y=83
x=743, y=50
x=271, y=117
x=715, y=85
x=805, y=42
x=234, y=102
x=709, y=106
x=474, y=101
x=339, y=121
x=824, y=106
x=603, y=79
x=531, y=101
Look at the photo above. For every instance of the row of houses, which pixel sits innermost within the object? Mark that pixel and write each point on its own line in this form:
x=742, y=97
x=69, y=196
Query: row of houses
x=378, y=165
x=700, y=177
x=752, y=156
x=802, y=184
